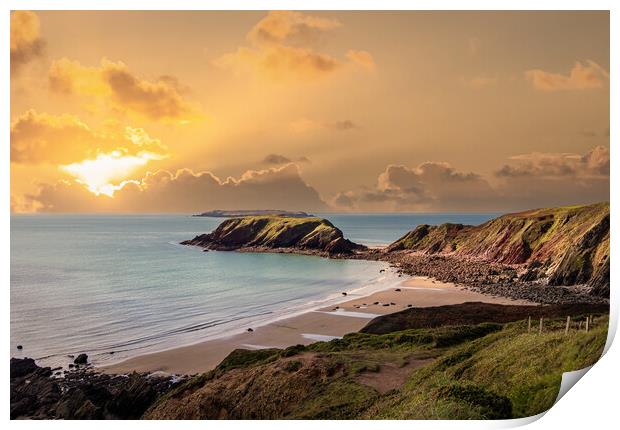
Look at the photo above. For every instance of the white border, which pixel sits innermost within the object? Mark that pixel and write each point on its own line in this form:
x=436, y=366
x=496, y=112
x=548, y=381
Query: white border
x=590, y=404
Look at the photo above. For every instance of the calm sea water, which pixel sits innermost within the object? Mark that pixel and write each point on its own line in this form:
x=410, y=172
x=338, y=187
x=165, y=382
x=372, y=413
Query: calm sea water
x=122, y=284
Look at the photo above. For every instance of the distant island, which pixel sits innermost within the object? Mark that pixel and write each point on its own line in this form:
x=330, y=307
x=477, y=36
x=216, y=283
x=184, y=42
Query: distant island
x=219, y=213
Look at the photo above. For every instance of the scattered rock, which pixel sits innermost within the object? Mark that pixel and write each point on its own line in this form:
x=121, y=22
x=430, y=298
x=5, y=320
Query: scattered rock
x=20, y=347
x=344, y=294
x=81, y=359
x=398, y=289
x=250, y=330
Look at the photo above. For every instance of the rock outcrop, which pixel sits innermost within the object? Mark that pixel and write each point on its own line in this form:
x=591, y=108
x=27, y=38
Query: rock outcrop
x=81, y=393
x=277, y=234
x=563, y=246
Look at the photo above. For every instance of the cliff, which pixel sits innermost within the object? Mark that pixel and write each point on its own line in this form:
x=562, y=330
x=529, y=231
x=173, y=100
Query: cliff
x=258, y=233
x=565, y=246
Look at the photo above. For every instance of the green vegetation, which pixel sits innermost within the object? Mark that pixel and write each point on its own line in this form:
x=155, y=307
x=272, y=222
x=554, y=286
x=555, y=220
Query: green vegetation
x=570, y=244
x=484, y=371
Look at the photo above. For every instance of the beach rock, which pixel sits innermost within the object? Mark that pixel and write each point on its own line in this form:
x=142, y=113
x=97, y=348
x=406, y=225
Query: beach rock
x=81, y=359
x=398, y=290
x=250, y=330
x=344, y=294
x=19, y=347
x=38, y=393
x=22, y=367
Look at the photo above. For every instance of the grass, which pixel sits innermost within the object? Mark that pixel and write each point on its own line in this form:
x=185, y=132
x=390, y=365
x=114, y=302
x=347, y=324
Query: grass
x=485, y=371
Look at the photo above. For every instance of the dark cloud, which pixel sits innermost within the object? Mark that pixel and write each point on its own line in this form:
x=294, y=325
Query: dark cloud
x=344, y=125
x=594, y=163
x=26, y=42
x=186, y=191
x=531, y=180
x=113, y=82
x=277, y=159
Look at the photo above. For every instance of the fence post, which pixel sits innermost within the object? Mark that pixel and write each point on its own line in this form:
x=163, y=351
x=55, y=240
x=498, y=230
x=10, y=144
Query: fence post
x=587, y=324
x=529, y=324
x=579, y=325
x=540, y=326
x=567, y=324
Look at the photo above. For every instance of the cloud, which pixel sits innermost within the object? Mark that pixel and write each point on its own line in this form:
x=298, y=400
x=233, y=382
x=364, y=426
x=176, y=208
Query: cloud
x=26, y=41
x=363, y=59
x=157, y=100
x=292, y=28
x=531, y=180
x=38, y=138
x=186, y=191
x=429, y=186
x=581, y=77
x=283, y=47
x=593, y=164
x=277, y=159
x=304, y=125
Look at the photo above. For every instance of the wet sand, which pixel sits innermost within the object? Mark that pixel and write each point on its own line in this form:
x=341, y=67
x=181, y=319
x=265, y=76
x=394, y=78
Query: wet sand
x=321, y=324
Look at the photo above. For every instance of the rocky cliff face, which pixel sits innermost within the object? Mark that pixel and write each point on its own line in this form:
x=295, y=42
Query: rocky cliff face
x=565, y=246
x=312, y=235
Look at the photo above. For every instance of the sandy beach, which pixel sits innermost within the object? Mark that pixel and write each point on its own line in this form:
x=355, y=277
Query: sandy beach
x=316, y=325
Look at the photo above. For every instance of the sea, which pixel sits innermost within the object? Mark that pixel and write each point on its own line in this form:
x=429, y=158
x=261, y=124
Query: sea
x=116, y=286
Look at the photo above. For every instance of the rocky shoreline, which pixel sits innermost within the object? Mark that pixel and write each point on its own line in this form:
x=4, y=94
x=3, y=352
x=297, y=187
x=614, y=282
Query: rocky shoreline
x=82, y=392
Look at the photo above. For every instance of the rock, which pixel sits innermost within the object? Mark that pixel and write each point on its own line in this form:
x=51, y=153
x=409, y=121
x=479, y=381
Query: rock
x=386, y=304
x=20, y=347
x=81, y=359
x=344, y=294
x=308, y=235
x=22, y=367
x=375, y=303
x=250, y=330
x=398, y=289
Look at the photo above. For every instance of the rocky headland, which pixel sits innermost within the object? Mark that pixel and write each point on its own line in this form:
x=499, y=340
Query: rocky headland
x=556, y=255
x=277, y=234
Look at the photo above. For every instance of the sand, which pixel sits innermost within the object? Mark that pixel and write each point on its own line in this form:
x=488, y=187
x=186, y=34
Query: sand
x=316, y=325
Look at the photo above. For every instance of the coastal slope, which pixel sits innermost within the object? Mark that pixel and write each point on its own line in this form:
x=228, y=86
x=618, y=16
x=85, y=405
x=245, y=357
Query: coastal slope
x=445, y=372
x=563, y=246
x=278, y=234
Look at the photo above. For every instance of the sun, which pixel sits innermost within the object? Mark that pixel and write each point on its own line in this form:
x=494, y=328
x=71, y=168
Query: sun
x=100, y=174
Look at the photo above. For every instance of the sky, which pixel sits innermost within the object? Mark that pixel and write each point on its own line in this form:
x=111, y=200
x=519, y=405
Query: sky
x=130, y=112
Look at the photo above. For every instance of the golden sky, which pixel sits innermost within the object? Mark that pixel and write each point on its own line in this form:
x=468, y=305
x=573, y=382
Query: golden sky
x=343, y=111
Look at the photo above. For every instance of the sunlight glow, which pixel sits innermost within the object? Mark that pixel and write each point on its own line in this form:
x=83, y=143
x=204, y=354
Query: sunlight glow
x=99, y=173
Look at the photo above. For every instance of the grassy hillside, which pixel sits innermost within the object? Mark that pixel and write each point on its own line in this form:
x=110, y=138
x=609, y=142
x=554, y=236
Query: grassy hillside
x=312, y=234
x=567, y=245
x=481, y=371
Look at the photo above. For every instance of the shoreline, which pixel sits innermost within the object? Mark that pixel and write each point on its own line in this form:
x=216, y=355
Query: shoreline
x=318, y=324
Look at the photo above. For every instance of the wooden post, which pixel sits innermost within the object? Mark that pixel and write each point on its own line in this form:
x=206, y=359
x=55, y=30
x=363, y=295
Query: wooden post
x=587, y=324
x=567, y=325
x=540, y=326
x=579, y=326
x=529, y=324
